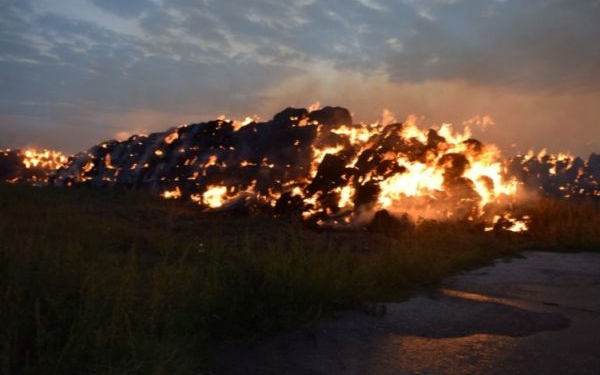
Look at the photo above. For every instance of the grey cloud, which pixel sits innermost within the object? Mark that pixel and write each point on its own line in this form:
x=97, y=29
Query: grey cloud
x=208, y=56
x=125, y=8
x=534, y=45
x=206, y=28
x=83, y=72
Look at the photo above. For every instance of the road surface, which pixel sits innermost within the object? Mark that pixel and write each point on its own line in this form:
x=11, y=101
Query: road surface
x=537, y=315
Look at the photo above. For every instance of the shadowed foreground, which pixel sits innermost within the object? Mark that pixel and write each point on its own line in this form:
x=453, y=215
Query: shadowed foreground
x=539, y=315
x=118, y=282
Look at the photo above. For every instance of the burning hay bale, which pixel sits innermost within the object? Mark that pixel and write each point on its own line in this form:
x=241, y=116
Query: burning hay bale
x=561, y=176
x=29, y=166
x=320, y=166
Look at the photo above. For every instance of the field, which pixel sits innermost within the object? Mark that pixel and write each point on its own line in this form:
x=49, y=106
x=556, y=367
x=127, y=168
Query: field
x=118, y=282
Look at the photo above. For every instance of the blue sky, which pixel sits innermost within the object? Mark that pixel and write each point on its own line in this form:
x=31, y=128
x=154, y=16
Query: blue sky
x=75, y=72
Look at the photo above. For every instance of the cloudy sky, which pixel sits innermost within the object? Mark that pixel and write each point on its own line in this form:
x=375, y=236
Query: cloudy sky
x=75, y=72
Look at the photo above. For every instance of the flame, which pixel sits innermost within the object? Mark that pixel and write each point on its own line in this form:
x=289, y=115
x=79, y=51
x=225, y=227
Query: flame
x=426, y=178
x=171, y=137
x=246, y=121
x=45, y=159
x=34, y=166
x=214, y=196
x=510, y=223
x=356, y=134
x=419, y=180
x=430, y=172
x=319, y=155
x=108, y=162
x=346, y=194
x=172, y=194
x=411, y=130
x=420, y=184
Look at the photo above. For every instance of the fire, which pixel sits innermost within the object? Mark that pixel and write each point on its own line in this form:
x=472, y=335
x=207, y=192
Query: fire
x=346, y=194
x=171, y=137
x=319, y=154
x=214, y=196
x=561, y=174
x=563, y=160
x=246, y=121
x=212, y=160
x=425, y=178
x=411, y=130
x=321, y=166
x=172, y=194
x=45, y=159
x=30, y=165
x=419, y=180
x=357, y=134
x=509, y=223
x=108, y=162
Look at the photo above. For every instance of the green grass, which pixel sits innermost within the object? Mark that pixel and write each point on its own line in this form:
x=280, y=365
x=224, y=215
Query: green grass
x=117, y=282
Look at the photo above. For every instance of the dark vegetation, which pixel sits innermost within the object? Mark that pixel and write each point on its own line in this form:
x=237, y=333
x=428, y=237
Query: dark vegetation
x=118, y=282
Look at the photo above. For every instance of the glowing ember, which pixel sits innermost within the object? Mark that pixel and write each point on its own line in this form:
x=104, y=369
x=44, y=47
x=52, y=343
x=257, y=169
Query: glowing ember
x=171, y=137
x=172, y=194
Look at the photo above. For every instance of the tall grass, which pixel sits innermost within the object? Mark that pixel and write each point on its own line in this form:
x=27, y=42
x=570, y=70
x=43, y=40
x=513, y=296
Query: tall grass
x=565, y=225
x=113, y=282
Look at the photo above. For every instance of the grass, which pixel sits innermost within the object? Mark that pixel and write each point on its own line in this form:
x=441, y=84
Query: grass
x=114, y=282
x=564, y=225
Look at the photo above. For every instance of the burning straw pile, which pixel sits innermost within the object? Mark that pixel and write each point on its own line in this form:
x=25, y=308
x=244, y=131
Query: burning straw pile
x=30, y=166
x=321, y=167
